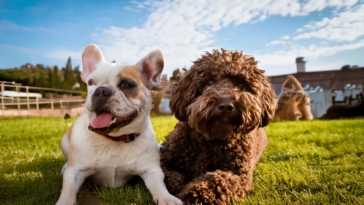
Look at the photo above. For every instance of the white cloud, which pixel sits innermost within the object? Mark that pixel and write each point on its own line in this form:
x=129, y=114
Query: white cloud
x=62, y=54
x=184, y=29
x=262, y=17
x=138, y=4
x=345, y=26
x=326, y=66
x=9, y=25
x=283, y=41
x=286, y=37
x=17, y=48
x=318, y=5
x=272, y=70
x=276, y=42
x=131, y=9
x=286, y=57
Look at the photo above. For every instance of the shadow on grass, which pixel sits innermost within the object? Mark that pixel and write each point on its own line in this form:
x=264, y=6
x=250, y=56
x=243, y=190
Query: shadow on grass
x=35, y=182
x=40, y=182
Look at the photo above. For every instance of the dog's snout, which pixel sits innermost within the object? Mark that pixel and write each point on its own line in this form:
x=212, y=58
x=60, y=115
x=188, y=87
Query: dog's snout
x=102, y=92
x=226, y=106
x=100, y=98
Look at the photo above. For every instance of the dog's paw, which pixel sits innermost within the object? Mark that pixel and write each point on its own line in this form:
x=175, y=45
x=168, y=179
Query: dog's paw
x=197, y=193
x=167, y=200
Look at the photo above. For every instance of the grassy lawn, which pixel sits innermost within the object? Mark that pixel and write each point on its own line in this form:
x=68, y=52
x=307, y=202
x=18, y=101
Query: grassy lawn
x=314, y=162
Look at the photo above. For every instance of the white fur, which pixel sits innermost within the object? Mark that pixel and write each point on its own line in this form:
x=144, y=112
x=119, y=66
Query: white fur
x=107, y=162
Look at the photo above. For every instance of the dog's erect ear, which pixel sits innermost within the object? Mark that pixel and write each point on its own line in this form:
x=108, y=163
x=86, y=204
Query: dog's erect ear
x=291, y=83
x=90, y=57
x=151, y=66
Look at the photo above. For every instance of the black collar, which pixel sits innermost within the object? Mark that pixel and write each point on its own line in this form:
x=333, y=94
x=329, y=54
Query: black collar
x=124, y=138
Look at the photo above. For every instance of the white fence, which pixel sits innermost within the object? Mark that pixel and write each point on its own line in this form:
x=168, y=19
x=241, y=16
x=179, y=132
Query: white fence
x=14, y=96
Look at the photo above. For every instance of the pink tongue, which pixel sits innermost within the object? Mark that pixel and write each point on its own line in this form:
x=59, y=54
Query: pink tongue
x=102, y=120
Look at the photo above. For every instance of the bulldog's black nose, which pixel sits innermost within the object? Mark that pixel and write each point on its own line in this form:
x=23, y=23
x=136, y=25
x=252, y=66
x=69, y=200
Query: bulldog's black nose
x=100, y=97
x=102, y=92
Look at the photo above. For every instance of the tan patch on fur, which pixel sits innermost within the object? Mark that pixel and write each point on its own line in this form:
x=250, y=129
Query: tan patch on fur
x=134, y=73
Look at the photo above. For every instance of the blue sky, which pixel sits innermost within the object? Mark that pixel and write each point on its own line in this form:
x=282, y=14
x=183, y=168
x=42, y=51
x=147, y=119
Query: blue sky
x=327, y=33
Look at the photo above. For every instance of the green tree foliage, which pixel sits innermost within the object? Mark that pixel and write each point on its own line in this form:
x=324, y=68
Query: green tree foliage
x=40, y=76
x=69, y=75
x=27, y=74
x=78, y=79
x=57, y=78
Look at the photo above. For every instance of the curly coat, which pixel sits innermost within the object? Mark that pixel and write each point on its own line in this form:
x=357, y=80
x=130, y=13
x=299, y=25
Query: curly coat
x=222, y=104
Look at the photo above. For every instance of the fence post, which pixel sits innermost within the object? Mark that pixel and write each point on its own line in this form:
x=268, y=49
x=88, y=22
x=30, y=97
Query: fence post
x=51, y=101
x=2, y=95
x=36, y=99
x=27, y=88
x=17, y=90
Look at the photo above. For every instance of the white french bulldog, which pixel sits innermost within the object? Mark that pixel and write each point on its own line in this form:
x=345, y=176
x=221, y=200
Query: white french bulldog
x=113, y=140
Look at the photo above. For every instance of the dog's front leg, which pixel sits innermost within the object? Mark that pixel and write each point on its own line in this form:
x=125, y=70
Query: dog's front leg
x=216, y=188
x=73, y=178
x=174, y=180
x=154, y=181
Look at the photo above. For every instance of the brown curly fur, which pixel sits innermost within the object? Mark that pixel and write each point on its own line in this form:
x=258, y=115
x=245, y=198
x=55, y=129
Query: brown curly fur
x=293, y=103
x=221, y=103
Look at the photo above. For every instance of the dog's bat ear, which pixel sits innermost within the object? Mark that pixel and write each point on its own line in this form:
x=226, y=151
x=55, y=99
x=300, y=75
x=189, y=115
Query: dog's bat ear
x=182, y=94
x=90, y=57
x=151, y=66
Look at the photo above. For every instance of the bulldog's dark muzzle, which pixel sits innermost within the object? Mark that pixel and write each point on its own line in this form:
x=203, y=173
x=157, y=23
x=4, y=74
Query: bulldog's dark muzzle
x=100, y=98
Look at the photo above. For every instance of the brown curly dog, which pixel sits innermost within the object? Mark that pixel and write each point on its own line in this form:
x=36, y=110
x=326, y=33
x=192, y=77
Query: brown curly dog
x=222, y=104
x=293, y=102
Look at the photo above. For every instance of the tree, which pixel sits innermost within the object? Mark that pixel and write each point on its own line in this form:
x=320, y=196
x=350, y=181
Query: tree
x=40, y=76
x=78, y=79
x=69, y=78
x=44, y=76
x=56, y=78
x=50, y=78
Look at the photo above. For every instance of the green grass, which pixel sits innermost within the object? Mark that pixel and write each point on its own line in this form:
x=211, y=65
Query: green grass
x=313, y=162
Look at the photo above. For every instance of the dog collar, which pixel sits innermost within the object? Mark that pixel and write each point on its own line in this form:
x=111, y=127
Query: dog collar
x=124, y=138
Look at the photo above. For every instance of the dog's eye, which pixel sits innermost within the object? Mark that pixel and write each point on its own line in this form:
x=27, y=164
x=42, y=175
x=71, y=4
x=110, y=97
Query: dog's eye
x=126, y=85
x=91, y=82
x=209, y=83
x=241, y=86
